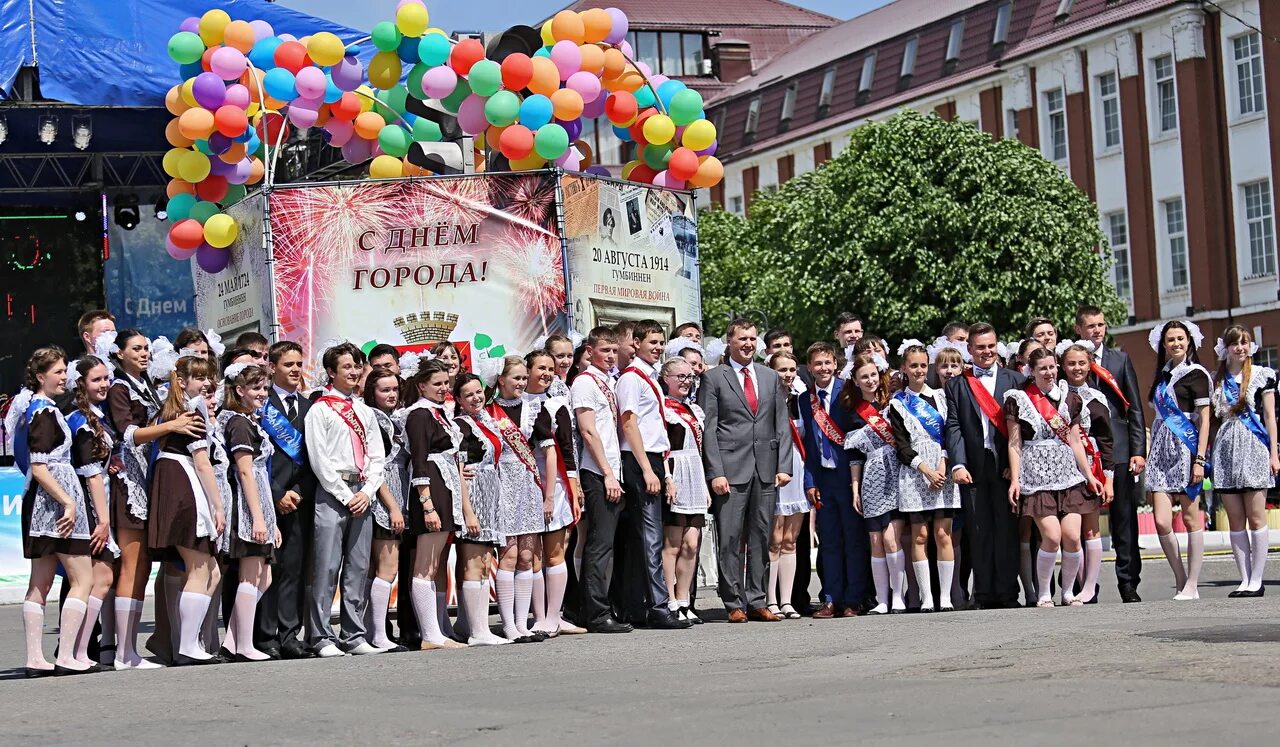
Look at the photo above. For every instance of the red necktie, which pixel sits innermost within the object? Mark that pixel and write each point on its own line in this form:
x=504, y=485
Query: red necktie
x=749, y=389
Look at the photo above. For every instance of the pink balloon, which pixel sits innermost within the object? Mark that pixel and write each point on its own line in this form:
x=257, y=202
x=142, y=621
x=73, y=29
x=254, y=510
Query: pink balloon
x=586, y=84
x=227, y=63
x=240, y=172
x=357, y=150
x=627, y=50
x=644, y=68
x=567, y=58
x=439, y=82
x=657, y=80
x=571, y=160
x=288, y=37
x=593, y=109
x=262, y=30
x=340, y=132
x=190, y=23
x=621, y=25
x=664, y=179
x=237, y=96
x=310, y=82
x=471, y=115
x=309, y=103
x=177, y=252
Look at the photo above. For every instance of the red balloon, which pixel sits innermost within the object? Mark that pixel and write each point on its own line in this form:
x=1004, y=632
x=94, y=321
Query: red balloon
x=230, y=120
x=517, y=71
x=347, y=107
x=465, y=54
x=187, y=234
x=516, y=142
x=269, y=128
x=212, y=189
x=208, y=55
x=637, y=127
x=621, y=108
x=292, y=56
x=642, y=173
x=682, y=165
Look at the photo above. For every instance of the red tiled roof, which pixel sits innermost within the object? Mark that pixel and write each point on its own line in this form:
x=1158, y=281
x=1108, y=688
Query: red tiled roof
x=662, y=13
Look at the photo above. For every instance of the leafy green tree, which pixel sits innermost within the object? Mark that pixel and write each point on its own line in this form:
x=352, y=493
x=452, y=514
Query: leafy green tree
x=918, y=222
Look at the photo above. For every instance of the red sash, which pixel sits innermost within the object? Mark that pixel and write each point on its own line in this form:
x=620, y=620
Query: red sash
x=1105, y=376
x=689, y=419
x=795, y=438
x=822, y=419
x=879, y=424
x=987, y=403
x=608, y=393
x=652, y=387
x=516, y=441
x=491, y=436
x=347, y=412
x=1061, y=428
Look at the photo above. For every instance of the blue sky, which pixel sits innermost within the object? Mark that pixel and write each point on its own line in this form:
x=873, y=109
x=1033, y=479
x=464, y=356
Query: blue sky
x=494, y=15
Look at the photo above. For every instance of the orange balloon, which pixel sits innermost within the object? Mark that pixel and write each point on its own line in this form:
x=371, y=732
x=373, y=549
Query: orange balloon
x=567, y=25
x=208, y=55
x=256, y=171
x=273, y=105
x=175, y=136
x=597, y=23
x=324, y=116
x=567, y=104
x=178, y=187
x=588, y=156
x=631, y=80
x=546, y=77
x=413, y=169
x=173, y=101
x=592, y=58
x=615, y=62
x=196, y=124
x=239, y=34
x=369, y=124
x=187, y=233
x=710, y=172
x=252, y=79
x=234, y=154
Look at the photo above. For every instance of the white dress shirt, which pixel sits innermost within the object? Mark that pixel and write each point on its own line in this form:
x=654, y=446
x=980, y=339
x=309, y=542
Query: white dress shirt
x=989, y=383
x=587, y=394
x=638, y=396
x=819, y=393
x=330, y=450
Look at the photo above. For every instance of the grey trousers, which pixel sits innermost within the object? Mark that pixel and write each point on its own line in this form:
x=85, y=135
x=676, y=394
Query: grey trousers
x=342, y=543
x=746, y=512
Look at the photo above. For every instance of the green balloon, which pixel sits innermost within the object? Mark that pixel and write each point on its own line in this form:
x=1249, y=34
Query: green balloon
x=235, y=193
x=202, y=145
x=386, y=36
x=185, y=48
x=203, y=211
x=179, y=207
x=397, y=98
x=434, y=49
x=455, y=99
x=551, y=141
x=394, y=140
x=502, y=108
x=485, y=77
x=656, y=156
x=414, y=82
x=685, y=107
x=426, y=131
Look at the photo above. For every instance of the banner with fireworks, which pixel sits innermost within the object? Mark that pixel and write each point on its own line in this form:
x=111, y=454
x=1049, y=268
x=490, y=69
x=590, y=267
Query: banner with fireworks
x=632, y=253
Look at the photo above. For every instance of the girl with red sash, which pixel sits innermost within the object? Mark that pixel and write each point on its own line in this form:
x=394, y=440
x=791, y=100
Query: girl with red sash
x=874, y=463
x=526, y=496
x=1244, y=452
x=1049, y=475
x=684, y=514
x=550, y=574
x=1178, y=459
x=791, y=513
x=1088, y=407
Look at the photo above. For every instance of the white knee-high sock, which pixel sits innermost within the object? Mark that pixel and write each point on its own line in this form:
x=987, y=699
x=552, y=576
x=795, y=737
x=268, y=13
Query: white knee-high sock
x=1026, y=572
x=33, y=631
x=379, y=601
x=475, y=599
x=920, y=569
x=1070, y=567
x=1240, y=551
x=1044, y=572
x=1195, y=558
x=505, y=581
x=897, y=578
x=1173, y=554
x=771, y=591
x=946, y=575
x=93, y=609
x=1092, y=568
x=69, y=625
x=786, y=577
x=242, y=614
x=557, y=581
x=424, y=605
x=880, y=576
x=191, y=610
x=524, y=595
x=1259, y=543
x=539, y=598
x=126, y=641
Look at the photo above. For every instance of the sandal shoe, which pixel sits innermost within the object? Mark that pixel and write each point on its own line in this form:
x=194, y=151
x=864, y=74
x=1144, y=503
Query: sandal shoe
x=789, y=612
x=1045, y=604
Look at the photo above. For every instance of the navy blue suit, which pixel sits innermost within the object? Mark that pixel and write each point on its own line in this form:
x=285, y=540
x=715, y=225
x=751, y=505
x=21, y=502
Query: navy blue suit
x=842, y=539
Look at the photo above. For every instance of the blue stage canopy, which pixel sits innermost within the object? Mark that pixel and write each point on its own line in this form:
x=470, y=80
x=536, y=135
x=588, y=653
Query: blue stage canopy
x=113, y=52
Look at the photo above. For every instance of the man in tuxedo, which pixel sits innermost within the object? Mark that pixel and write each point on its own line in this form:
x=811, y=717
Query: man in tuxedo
x=280, y=613
x=747, y=451
x=1114, y=376
x=978, y=448
x=841, y=535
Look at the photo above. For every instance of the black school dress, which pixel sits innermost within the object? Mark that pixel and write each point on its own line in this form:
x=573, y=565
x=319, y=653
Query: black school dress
x=49, y=443
x=84, y=444
x=175, y=518
x=433, y=445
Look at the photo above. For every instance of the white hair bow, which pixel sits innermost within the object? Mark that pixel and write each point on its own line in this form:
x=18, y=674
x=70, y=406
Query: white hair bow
x=1220, y=348
x=234, y=370
x=907, y=345
x=677, y=345
x=215, y=343
x=488, y=369
x=164, y=359
x=104, y=345
x=1156, y=335
x=882, y=365
x=409, y=363
x=1064, y=345
x=943, y=343
x=713, y=351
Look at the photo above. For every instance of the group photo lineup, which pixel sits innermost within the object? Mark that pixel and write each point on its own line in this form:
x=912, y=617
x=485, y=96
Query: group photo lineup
x=919, y=356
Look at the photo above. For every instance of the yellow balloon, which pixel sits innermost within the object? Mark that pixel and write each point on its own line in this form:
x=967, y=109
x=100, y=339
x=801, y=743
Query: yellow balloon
x=212, y=25
x=193, y=167
x=412, y=19
x=384, y=69
x=366, y=98
x=186, y=93
x=699, y=135
x=172, y=161
x=548, y=38
x=435, y=30
x=386, y=167
x=659, y=129
x=220, y=231
x=325, y=49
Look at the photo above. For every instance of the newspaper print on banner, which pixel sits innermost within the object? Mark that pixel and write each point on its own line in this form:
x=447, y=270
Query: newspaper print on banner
x=475, y=260
x=237, y=299
x=633, y=253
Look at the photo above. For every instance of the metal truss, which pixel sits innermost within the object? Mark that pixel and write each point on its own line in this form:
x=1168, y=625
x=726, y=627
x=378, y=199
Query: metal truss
x=24, y=173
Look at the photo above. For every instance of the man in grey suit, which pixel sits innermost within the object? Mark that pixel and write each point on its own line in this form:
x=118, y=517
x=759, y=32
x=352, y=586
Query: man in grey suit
x=747, y=451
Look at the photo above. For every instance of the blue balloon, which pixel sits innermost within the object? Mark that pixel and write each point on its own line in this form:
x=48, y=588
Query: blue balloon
x=536, y=111
x=668, y=90
x=280, y=85
x=353, y=50
x=644, y=97
x=190, y=70
x=263, y=54
x=623, y=134
x=331, y=92
x=544, y=52
x=408, y=50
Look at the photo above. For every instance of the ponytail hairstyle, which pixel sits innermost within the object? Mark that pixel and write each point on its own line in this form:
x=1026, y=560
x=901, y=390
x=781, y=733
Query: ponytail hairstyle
x=188, y=367
x=41, y=362
x=1231, y=336
x=251, y=375
x=83, y=367
x=851, y=393
x=1162, y=357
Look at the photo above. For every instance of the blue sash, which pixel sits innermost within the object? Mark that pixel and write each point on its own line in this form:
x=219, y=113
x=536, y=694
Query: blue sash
x=1231, y=391
x=928, y=416
x=1181, y=426
x=286, y=437
x=21, y=449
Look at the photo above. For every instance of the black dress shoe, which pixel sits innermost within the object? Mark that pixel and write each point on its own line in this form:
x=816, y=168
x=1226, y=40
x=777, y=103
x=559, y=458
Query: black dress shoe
x=182, y=660
x=1255, y=594
x=35, y=674
x=295, y=651
x=273, y=651
x=1129, y=594
x=609, y=625
x=61, y=671
x=667, y=621
x=1237, y=594
x=541, y=635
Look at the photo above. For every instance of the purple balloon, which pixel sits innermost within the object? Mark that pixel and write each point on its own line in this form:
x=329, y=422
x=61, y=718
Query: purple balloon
x=301, y=116
x=594, y=109
x=620, y=26
x=190, y=23
x=573, y=128
x=177, y=252
x=261, y=30
x=240, y=172
x=212, y=260
x=348, y=74
x=209, y=90
x=219, y=167
x=219, y=143
x=710, y=150
x=471, y=115
x=357, y=150
x=599, y=171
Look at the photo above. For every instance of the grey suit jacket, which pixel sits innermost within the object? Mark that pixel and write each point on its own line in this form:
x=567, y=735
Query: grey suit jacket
x=739, y=445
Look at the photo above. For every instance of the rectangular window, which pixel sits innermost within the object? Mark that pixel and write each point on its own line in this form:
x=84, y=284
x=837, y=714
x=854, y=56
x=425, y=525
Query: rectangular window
x=753, y=116
x=1248, y=58
x=1003, y=15
x=868, y=73
x=1109, y=98
x=954, y=40
x=909, y=57
x=1117, y=228
x=1010, y=123
x=1056, y=125
x=692, y=54
x=735, y=204
x=1261, y=224
x=646, y=46
x=789, y=102
x=672, y=60
x=1175, y=227
x=1268, y=357
x=828, y=88
x=1166, y=94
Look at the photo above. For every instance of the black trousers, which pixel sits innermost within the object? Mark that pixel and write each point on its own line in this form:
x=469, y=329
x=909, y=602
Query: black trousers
x=281, y=611
x=644, y=587
x=597, y=555
x=800, y=597
x=1123, y=517
x=992, y=531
